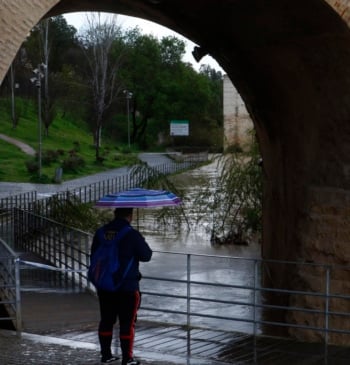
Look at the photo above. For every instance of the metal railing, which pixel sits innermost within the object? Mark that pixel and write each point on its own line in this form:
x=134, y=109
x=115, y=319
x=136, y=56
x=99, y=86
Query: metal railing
x=56, y=246
x=212, y=291
x=10, y=297
x=22, y=200
x=94, y=191
x=227, y=293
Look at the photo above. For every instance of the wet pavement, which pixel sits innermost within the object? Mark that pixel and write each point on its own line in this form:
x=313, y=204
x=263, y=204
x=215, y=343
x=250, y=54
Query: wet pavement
x=45, y=350
x=61, y=328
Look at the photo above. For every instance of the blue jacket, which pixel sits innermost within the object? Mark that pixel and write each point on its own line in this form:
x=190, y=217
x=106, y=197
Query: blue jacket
x=131, y=245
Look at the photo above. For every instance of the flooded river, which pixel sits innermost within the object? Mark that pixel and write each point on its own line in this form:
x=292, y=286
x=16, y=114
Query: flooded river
x=197, y=238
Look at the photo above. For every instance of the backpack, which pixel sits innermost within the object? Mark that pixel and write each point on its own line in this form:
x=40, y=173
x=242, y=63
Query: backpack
x=104, y=262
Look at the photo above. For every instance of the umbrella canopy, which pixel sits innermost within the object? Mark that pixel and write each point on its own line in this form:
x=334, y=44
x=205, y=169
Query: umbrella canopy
x=139, y=198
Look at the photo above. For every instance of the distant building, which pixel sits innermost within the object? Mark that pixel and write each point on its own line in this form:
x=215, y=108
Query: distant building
x=237, y=122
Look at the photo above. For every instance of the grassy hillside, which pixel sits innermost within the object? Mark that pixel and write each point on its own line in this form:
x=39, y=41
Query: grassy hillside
x=66, y=137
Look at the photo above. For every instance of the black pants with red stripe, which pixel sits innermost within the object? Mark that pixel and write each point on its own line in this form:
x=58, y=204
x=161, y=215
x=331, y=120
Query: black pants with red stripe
x=120, y=306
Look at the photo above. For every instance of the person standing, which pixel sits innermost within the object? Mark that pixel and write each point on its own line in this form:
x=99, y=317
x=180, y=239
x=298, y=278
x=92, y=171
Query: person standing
x=123, y=303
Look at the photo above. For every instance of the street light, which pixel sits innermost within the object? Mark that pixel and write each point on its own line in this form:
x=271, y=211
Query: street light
x=36, y=80
x=128, y=95
x=13, y=87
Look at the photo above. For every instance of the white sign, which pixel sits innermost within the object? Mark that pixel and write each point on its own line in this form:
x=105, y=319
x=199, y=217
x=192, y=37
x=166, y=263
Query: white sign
x=179, y=128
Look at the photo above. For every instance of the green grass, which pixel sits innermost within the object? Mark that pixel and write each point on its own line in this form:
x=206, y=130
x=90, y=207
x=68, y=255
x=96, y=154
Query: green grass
x=64, y=134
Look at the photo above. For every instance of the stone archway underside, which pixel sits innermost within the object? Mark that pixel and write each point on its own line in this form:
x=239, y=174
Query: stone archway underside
x=289, y=60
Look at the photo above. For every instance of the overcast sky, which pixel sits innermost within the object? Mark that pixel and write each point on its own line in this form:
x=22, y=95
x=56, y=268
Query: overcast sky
x=79, y=19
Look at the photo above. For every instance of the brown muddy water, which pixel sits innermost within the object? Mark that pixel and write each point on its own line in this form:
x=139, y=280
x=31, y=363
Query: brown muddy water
x=223, y=264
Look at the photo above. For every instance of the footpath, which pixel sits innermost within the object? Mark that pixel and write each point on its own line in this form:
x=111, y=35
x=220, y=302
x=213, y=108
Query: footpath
x=61, y=328
x=32, y=349
x=22, y=146
x=10, y=188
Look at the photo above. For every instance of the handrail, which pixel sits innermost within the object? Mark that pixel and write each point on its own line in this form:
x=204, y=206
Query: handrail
x=10, y=295
x=22, y=200
x=94, y=191
x=252, y=297
x=204, y=287
x=55, y=244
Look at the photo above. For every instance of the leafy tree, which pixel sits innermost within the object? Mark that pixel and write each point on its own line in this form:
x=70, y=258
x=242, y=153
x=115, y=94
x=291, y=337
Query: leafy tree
x=62, y=37
x=72, y=91
x=48, y=44
x=165, y=88
x=141, y=75
x=215, y=102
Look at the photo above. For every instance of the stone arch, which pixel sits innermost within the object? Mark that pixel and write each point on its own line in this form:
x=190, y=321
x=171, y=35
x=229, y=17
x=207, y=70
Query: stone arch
x=289, y=60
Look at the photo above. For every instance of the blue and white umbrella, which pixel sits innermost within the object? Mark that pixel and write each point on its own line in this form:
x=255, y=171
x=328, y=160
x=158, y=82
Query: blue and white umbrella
x=139, y=198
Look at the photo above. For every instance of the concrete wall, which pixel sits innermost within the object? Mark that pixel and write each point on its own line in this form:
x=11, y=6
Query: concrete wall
x=237, y=122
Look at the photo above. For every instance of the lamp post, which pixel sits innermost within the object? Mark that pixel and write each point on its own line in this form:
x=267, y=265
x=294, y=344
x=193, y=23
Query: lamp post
x=13, y=87
x=36, y=80
x=128, y=95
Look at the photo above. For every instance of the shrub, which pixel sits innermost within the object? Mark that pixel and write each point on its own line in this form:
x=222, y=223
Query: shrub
x=32, y=166
x=76, y=146
x=49, y=156
x=234, y=148
x=72, y=163
x=234, y=198
x=99, y=160
x=43, y=179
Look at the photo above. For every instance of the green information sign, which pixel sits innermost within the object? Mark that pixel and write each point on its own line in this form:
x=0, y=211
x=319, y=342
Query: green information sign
x=179, y=128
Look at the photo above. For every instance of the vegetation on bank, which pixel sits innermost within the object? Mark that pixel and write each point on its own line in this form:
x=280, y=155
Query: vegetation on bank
x=233, y=199
x=104, y=93
x=68, y=146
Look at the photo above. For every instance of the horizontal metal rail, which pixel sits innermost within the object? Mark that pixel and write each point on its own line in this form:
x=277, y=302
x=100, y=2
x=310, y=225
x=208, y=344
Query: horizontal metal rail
x=56, y=246
x=199, y=288
x=93, y=192
x=323, y=318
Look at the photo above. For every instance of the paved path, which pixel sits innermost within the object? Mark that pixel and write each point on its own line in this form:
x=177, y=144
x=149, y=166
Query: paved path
x=12, y=188
x=60, y=328
x=23, y=146
x=43, y=350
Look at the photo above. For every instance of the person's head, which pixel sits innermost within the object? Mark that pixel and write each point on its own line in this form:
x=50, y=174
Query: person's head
x=125, y=213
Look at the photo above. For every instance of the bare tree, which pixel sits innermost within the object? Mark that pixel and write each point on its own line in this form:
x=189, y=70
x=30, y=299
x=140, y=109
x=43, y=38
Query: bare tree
x=97, y=40
x=48, y=113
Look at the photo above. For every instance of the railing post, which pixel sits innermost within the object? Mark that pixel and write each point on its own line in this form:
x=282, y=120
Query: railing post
x=18, y=298
x=80, y=260
x=188, y=304
x=256, y=273
x=86, y=260
x=326, y=321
